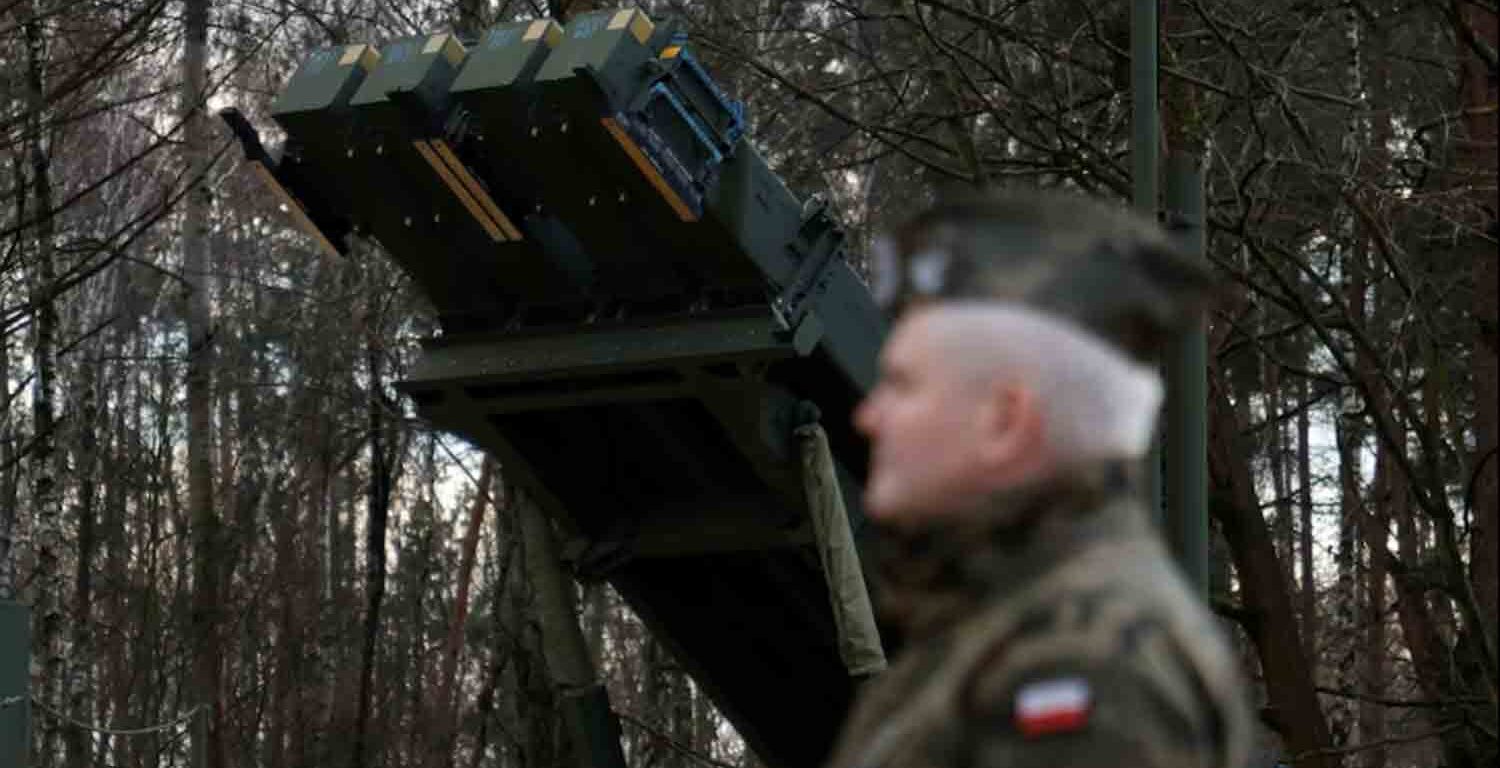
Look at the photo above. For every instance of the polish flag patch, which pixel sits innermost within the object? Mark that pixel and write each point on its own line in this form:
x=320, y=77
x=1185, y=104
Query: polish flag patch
x=1059, y=705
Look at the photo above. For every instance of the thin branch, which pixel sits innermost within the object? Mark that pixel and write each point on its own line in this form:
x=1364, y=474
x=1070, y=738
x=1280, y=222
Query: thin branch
x=1399, y=703
x=674, y=744
x=1377, y=744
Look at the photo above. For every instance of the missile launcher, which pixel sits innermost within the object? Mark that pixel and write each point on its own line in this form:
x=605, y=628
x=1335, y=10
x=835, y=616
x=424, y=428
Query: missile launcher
x=636, y=314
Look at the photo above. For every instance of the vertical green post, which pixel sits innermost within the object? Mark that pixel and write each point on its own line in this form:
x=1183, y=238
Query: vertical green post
x=1145, y=155
x=1187, y=388
x=1145, y=148
x=15, y=684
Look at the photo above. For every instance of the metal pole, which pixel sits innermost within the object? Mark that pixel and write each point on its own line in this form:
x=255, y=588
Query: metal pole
x=1187, y=388
x=1145, y=155
x=15, y=684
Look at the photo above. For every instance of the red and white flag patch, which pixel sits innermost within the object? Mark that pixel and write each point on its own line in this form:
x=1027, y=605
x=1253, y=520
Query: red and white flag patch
x=1059, y=705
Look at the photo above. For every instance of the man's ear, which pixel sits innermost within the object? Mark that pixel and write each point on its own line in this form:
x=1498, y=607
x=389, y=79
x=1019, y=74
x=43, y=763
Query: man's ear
x=1010, y=427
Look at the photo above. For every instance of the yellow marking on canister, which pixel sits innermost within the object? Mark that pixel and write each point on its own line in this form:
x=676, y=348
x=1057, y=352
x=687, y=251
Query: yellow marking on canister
x=648, y=169
x=461, y=172
x=448, y=45
x=635, y=20
x=671, y=52
x=294, y=207
x=546, y=30
x=360, y=55
x=425, y=150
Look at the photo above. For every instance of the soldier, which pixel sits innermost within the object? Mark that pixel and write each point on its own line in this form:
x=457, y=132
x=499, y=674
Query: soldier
x=1043, y=622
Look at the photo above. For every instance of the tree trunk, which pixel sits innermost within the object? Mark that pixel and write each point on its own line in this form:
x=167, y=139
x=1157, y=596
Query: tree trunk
x=378, y=504
x=1476, y=168
x=1281, y=484
x=656, y=698
x=1372, y=728
x=47, y=497
x=1349, y=435
x=529, y=703
x=488, y=708
x=417, y=549
x=124, y=452
x=470, y=18
x=445, y=702
x=81, y=677
x=563, y=10
x=1309, y=590
x=596, y=597
x=208, y=743
x=1341, y=628
x=10, y=476
x=1432, y=658
x=1270, y=623
x=286, y=651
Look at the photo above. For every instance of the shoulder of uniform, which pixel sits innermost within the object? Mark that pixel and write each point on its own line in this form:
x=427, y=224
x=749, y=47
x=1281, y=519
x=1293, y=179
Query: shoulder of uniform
x=1106, y=665
x=1101, y=626
x=1083, y=716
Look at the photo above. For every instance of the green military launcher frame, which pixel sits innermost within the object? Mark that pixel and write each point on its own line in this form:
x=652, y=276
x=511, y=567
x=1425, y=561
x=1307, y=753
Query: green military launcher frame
x=636, y=314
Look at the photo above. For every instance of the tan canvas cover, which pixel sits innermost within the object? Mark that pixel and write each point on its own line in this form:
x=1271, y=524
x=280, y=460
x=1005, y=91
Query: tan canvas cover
x=859, y=642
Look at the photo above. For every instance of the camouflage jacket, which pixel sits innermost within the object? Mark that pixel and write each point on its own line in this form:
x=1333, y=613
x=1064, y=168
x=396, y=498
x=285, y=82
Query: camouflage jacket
x=1049, y=629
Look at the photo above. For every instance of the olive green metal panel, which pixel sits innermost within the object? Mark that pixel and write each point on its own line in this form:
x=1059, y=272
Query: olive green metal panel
x=422, y=65
x=396, y=146
x=756, y=211
x=550, y=142
x=401, y=111
x=409, y=186
x=15, y=680
x=614, y=44
x=596, y=352
x=852, y=333
x=495, y=88
x=314, y=112
x=326, y=80
x=508, y=56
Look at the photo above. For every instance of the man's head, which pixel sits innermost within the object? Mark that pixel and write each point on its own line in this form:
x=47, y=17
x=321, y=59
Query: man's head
x=977, y=397
x=1022, y=347
x=1099, y=265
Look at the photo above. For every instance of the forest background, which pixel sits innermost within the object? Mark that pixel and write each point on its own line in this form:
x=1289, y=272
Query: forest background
x=228, y=521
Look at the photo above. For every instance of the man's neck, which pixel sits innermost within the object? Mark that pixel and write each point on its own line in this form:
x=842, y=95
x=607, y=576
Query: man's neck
x=932, y=573
x=1022, y=499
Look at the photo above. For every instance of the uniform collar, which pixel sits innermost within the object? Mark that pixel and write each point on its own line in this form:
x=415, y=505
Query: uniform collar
x=932, y=575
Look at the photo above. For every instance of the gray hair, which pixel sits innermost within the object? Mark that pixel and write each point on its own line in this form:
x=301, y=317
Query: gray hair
x=1097, y=403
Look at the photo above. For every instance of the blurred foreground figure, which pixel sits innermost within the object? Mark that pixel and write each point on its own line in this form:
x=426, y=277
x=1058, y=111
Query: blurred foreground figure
x=1044, y=622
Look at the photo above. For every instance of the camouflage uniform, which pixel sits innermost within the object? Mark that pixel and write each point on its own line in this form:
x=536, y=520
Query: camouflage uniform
x=1049, y=627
